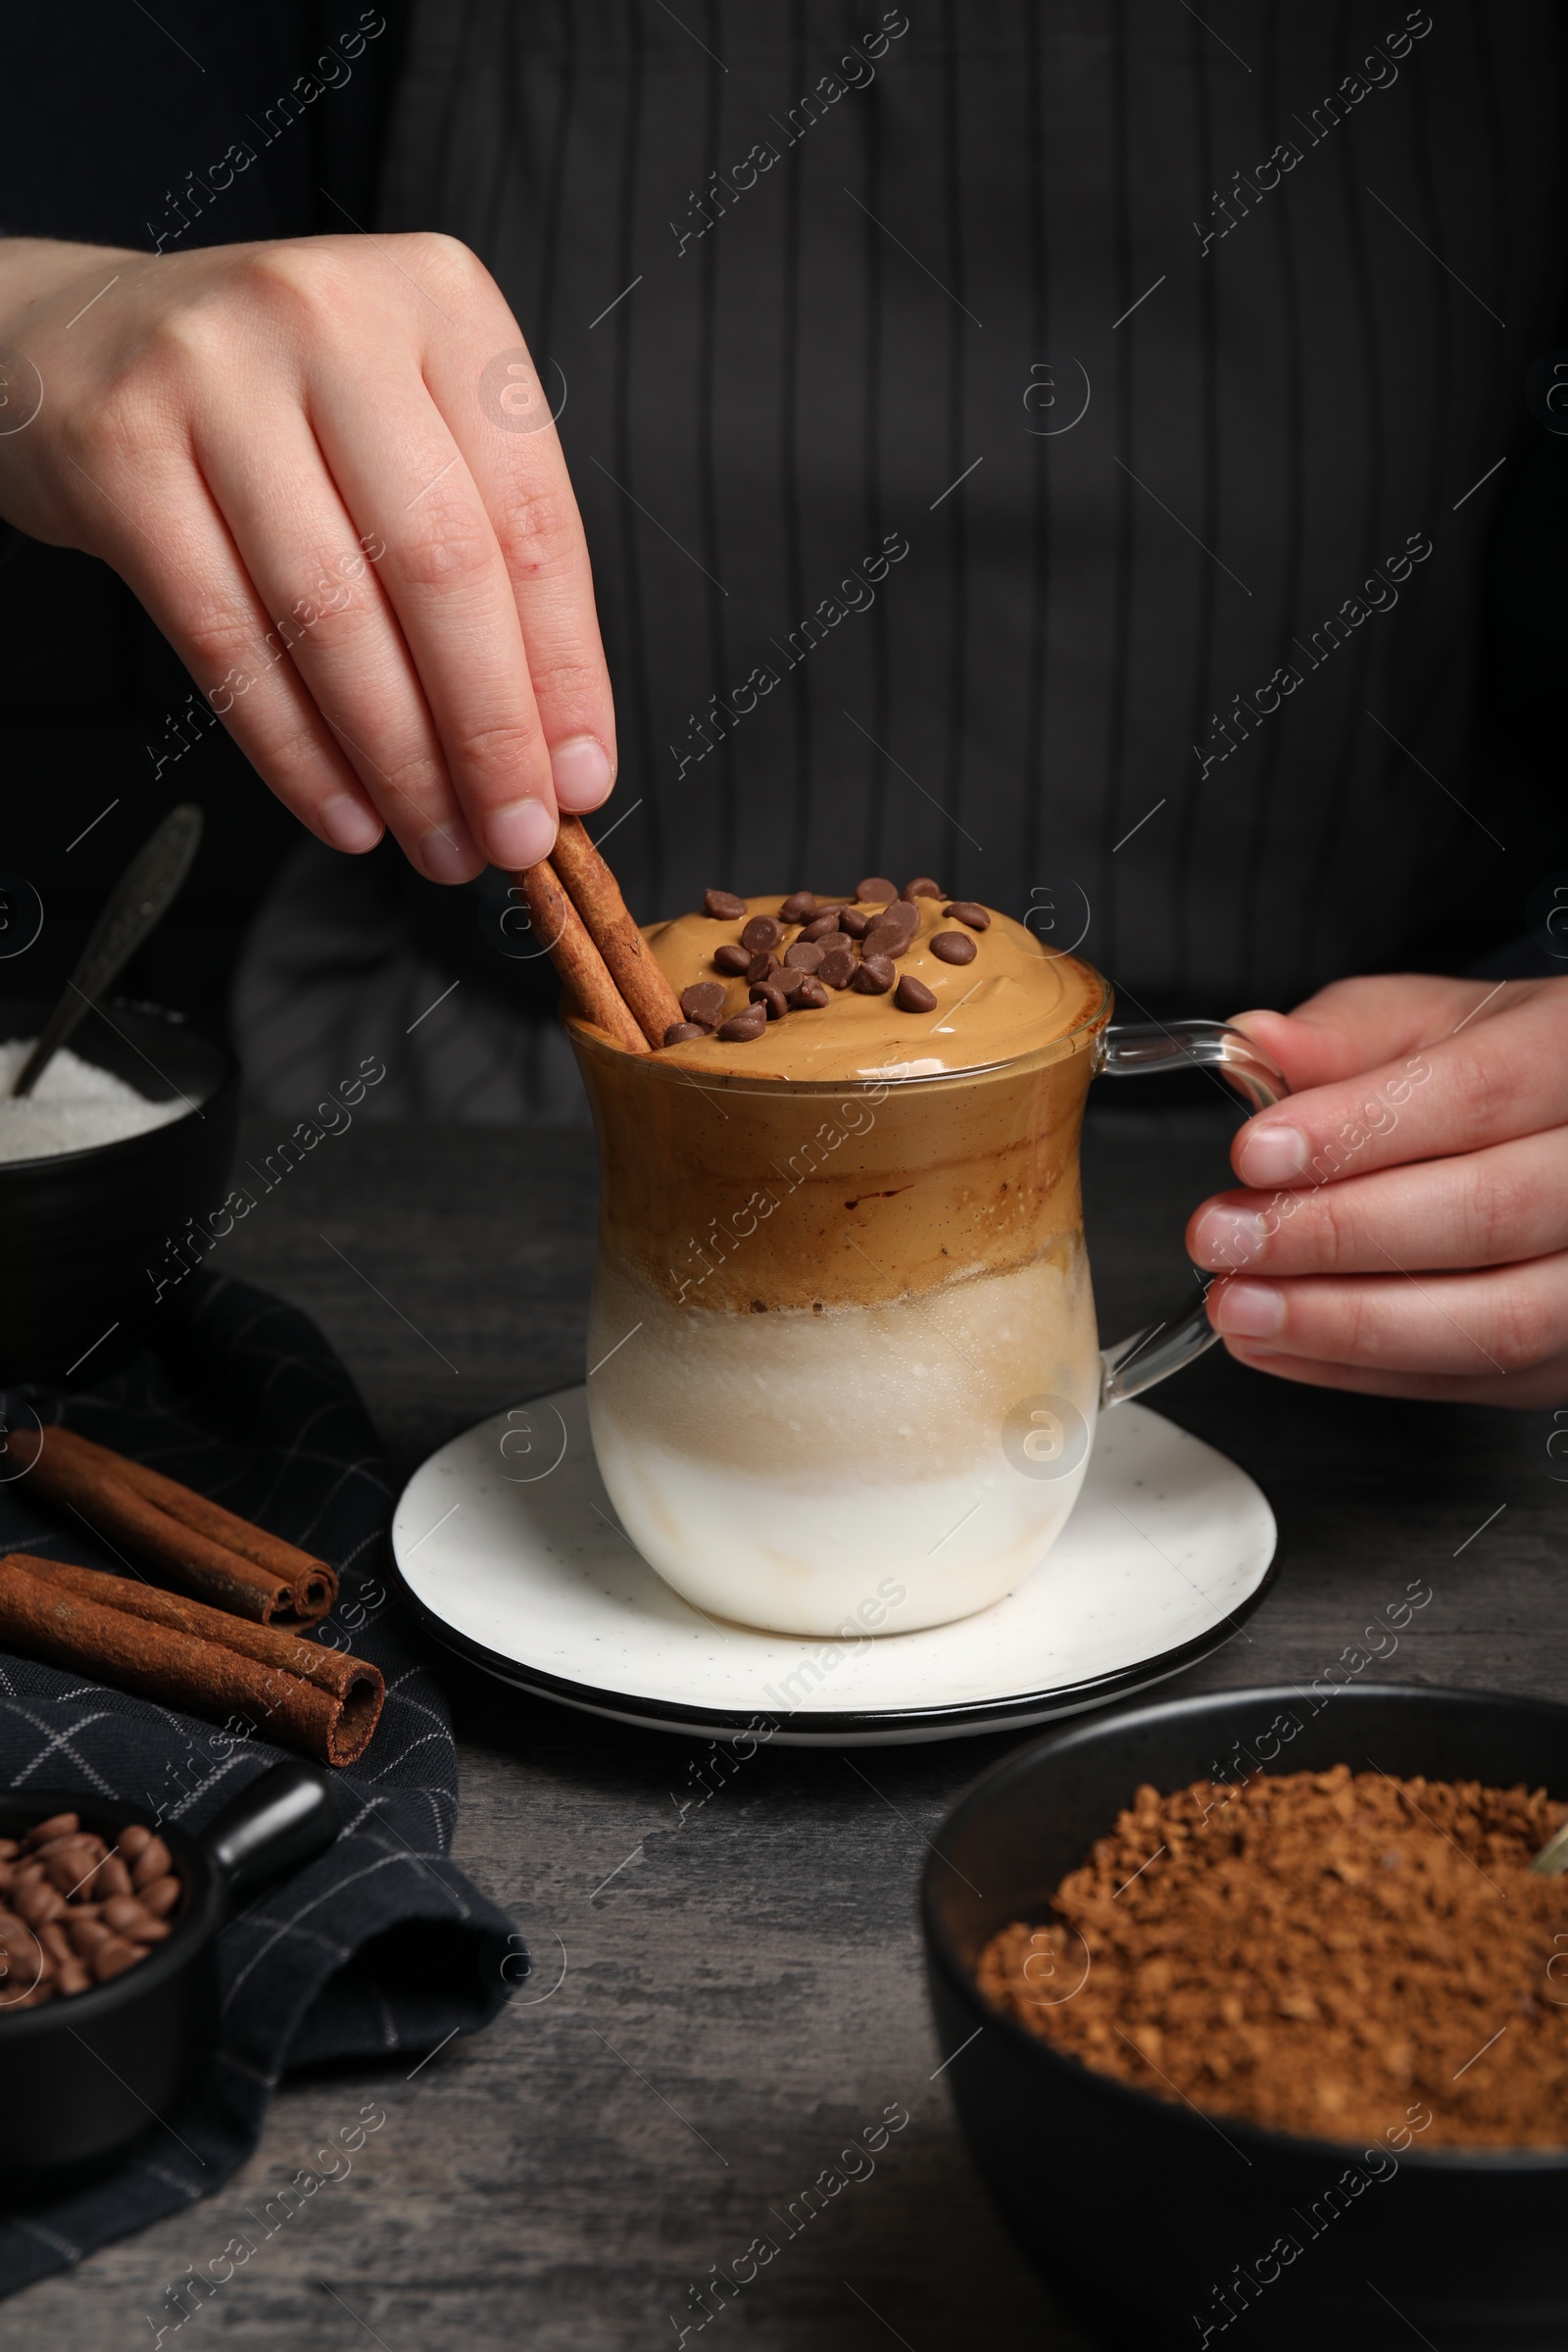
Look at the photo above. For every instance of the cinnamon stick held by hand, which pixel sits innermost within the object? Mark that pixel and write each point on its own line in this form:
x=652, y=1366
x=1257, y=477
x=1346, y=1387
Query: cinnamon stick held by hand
x=583, y=970
x=575, y=905
x=209, y=1551
x=185, y=1654
x=632, y=965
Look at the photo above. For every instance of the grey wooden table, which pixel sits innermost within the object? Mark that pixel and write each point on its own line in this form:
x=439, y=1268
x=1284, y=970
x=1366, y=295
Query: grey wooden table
x=745, y=1992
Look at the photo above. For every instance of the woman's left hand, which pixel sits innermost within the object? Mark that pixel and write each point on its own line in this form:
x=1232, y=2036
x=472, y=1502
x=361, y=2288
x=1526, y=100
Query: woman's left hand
x=1404, y=1226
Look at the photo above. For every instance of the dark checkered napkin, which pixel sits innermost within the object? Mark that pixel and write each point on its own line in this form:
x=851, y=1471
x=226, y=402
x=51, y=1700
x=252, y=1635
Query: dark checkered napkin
x=379, y=1946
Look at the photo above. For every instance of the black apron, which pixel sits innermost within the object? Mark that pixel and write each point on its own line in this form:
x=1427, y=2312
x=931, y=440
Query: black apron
x=1173, y=353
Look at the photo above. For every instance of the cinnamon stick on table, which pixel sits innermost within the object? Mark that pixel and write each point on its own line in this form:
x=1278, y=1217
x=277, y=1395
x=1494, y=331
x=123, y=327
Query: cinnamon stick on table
x=631, y=963
x=185, y=1654
x=208, y=1550
x=572, y=952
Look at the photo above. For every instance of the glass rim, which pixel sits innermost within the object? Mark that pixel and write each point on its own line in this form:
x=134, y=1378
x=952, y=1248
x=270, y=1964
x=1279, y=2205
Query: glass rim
x=586, y=1038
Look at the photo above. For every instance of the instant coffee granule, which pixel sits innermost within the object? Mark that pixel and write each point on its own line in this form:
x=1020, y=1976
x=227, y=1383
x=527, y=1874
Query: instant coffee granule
x=1315, y=1952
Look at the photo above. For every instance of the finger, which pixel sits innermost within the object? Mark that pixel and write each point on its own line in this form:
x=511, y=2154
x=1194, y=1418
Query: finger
x=1483, y=1208
x=1547, y=1385
x=197, y=589
x=447, y=582
x=499, y=418
x=1504, y=1323
x=334, y=629
x=1356, y=1025
x=1505, y=1076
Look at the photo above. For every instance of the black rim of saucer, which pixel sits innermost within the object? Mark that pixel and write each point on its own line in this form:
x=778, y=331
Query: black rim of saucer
x=802, y=1726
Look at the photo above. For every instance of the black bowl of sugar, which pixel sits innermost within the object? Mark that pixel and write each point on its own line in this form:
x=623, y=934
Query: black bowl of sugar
x=127, y=1140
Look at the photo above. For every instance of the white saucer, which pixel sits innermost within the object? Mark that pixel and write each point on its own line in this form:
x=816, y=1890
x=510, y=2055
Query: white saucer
x=508, y=1544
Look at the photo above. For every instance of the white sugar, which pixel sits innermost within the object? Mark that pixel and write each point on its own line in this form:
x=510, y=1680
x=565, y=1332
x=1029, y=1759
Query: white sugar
x=74, y=1107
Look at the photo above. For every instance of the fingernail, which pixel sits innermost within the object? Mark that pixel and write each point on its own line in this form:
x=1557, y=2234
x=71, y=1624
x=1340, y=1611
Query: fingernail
x=447, y=855
x=1251, y=1310
x=521, y=834
x=581, y=772
x=349, y=825
x=1228, y=1236
x=1273, y=1155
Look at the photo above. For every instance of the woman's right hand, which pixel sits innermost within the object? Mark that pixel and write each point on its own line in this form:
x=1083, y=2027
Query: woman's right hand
x=327, y=469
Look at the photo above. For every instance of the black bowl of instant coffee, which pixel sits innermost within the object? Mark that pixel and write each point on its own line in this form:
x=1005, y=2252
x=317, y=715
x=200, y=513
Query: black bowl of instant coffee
x=1207, y=1975
x=87, y=2070
x=96, y=1235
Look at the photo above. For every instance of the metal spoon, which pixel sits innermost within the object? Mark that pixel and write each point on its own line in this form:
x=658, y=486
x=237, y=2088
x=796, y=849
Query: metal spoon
x=136, y=906
x=1552, y=1859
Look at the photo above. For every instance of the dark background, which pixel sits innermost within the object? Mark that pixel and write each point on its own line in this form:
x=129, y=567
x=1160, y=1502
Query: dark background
x=101, y=116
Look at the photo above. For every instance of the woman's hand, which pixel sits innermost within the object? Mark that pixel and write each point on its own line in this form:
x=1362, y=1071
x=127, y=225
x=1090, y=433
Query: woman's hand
x=1405, y=1226
x=329, y=470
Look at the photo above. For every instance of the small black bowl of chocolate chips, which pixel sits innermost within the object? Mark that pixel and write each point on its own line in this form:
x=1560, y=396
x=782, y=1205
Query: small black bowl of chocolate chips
x=108, y=1967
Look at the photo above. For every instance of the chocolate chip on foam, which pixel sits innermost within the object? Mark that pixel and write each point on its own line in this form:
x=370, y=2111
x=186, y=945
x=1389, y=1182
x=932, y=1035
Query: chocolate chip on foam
x=799, y=907
x=875, y=890
x=854, y=922
x=680, y=1033
x=810, y=996
x=966, y=910
x=820, y=925
x=762, y=932
x=771, y=996
x=874, y=976
x=804, y=956
x=732, y=958
x=704, y=1003
x=922, y=887
x=913, y=996
x=723, y=906
x=1028, y=998
x=954, y=946
x=744, y=1028
x=888, y=939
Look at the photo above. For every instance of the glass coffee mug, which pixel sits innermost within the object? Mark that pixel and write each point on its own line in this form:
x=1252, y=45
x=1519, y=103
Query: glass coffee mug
x=842, y=1343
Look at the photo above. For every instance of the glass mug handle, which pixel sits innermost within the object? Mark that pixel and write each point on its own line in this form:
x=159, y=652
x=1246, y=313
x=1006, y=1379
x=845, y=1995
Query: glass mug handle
x=1126, y=1049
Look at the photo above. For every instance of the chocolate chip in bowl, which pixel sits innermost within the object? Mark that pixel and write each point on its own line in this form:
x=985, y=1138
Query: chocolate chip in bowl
x=77, y=1909
x=108, y=1926
x=1239, y=2224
